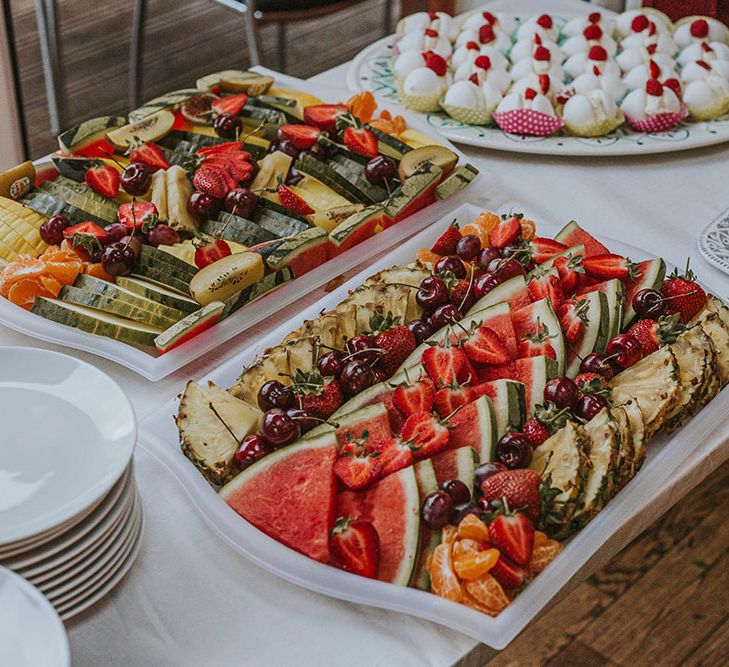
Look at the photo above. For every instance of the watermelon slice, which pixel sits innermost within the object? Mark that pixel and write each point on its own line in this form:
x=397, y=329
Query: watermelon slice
x=189, y=326
x=497, y=318
x=573, y=251
x=572, y=234
x=357, y=228
x=595, y=334
x=509, y=400
x=474, y=425
x=532, y=372
x=514, y=291
x=301, y=252
x=415, y=192
x=301, y=476
x=458, y=463
x=525, y=322
x=614, y=292
x=429, y=538
x=392, y=506
x=651, y=275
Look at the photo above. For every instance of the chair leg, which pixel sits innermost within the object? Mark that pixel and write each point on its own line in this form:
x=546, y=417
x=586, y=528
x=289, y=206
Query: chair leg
x=251, y=34
x=45, y=16
x=388, y=17
x=281, y=29
x=136, y=51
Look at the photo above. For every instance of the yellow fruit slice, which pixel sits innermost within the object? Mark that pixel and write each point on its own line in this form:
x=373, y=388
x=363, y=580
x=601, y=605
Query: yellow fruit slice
x=318, y=195
x=416, y=139
x=15, y=182
x=304, y=99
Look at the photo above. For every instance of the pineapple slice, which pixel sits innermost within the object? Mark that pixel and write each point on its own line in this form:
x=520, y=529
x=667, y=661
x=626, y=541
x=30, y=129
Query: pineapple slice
x=179, y=190
x=653, y=383
x=19, y=230
x=624, y=468
x=212, y=423
x=637, y=430
x=159, y=194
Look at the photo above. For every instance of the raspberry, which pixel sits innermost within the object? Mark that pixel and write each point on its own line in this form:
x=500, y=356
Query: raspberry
x=472, y=46
x=594, y=17
x=592, y=32
x=639, y=23
x=484, y=62
x=674, y=84
x=653, y=69
x=699, y=28
x=436, y=63
x=431, y=33
x=530, y=94
x=654, y=87
x=542, y=53
x=489, y=17
x=597, y=53
x=486, y=34
x=545, y=20
x=704, y=64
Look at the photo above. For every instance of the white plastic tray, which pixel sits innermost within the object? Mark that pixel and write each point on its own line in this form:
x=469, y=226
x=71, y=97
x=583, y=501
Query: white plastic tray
x=156, y=367
x=611, y=529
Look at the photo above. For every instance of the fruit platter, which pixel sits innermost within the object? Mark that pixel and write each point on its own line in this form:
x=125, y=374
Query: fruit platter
x=598, y=83
x=459, y=426
x=152, y=238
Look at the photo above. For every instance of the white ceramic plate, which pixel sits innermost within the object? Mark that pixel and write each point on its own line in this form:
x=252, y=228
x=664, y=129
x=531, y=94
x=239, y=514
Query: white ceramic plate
x=68, y=435
x=154, y=368
x=714, y=242
x=371, y=70
x=31, y=633
x=159, y=436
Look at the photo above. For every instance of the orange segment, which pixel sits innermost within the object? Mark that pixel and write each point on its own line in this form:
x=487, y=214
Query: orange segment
x=383, y=125
x=473, y=528
x=488, y=592
x=528, y=229
x=65, y=272
x=400, y=124
x=477, y=230
x=543, y=554
x=427, y=256
x=472, y=566
x=24, y=292
x=362, y=105
x=25, y=266
x=465, y=547
x=97, y=270
x=487, y=220
x=51, y=284
x=443, y=580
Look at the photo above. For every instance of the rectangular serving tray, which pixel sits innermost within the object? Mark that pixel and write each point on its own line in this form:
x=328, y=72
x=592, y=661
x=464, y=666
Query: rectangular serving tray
x=157, y=367
x=670, y=458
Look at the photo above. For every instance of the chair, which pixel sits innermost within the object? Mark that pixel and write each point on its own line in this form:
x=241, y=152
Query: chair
x=255, y=13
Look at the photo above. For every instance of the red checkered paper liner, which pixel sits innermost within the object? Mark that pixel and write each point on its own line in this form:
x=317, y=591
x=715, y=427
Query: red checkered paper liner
x=658, y=123
x=527, y=121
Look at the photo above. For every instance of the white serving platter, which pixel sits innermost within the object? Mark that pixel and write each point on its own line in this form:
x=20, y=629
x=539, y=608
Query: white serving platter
x=157, y=367
x=609, y=532
x=714, y=242
x=371, y=70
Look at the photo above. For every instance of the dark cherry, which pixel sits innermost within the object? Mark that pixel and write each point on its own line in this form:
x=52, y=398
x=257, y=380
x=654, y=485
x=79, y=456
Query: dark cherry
x=486, y=470
x=451, y=263
x=468, y=247
x=318, y=151
x=514, y=450
x=251, y=449
x=431, y=293
x=303, y=418
x=380, y=170
x=134, y=243
x=589, y=405
x=437, y=509
x=115, y=232
x=444, y=315
x=517, y=251
x=162, y=234
x=505, y=268
x=227, y=125
x=294, y=177
x=274, y=394
x=624, y=350
x=278, y=428
x=356, y=376
x=287, y=146
x=363, y=348
x=51, y=231
x=420, y=330
x=118, y=259
x=484, y=284
x=487, y=255
x=597, y=363
x=330, y=364
x=241, y=202
x=379, y=374
x=649, y=304
x=561, y=391
x=202, y=205
x=462, y=510
x=136, y=179
x=457, y=490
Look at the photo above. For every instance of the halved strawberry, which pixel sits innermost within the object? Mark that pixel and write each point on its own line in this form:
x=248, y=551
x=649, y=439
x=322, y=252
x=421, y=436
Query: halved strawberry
x=447, y=365
x=544, y=249
x=536, y=344
x=213, y=180
x=546, y=285
x=231, y=104
x=506, y=232
x=292, y=201
x=427, y=434
x=395, y=455
x=513, y=536
x=356, y=467
x=150, y=155
x=324, y=116
x=227, y=147
x=301, y=136
x=355, y=547
x=572, y=316
x=89, y=228
x=510, y=575
x=446, y=244
x=484, y=346
x=211, y=252
x=607, y=266
x=103, y=179
x=416, y=397
x=362, y=141
x=136, y=214
x=449, y=399
x=570, y=270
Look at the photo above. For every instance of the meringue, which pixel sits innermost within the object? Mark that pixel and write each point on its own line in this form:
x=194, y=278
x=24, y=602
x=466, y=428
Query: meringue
x=471, y=50
x=591, y=114
x=586, y=62
x=707, y=51
x=541, y=83
x=499, y=22
x=525, y=48
x=514, y=101
x=427, y=40
x=407, y=62
x=438, y=21
x=639, y=105
x=707, y=98
x=543, y=25
x=631, y=58
x=576, y=25
x=701, y=28
x=485, y=34
x=609, y=83
x=637, y=77
x=593, y=35
x=703, y=70
x=423, y=88
x=540, y=63
x=629, y=22
x=662, y=41
x=469, y=103
x=484, y=71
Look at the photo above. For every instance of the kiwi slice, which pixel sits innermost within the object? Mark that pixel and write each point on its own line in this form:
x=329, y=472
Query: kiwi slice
x=236, y=81
x=199, y=109
x=148, y=129
x=440, y=156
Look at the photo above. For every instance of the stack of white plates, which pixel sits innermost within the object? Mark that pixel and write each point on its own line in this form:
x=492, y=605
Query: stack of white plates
x=70, y=516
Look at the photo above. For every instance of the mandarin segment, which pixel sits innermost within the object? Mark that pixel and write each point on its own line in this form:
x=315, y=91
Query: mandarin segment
x=543, y=555
x=362, y=105
x=487, y=220
x=472, y=566
x=473, y=528
x=426, y=256
x=477, y=230
x=528, y=229
x=466, y=546
x=488, y=592
x=443, y=580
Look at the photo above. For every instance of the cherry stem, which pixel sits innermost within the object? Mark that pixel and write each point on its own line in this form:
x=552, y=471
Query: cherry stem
x=222, y=421
x=367, y=349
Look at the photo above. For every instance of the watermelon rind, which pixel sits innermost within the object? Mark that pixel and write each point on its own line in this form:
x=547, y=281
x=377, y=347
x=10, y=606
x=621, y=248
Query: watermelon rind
x=464, y=462
x=509, y=400
x=411, y=534
x=503, y=292
x=541, y=369
x=429, y=538
x=614, y=291
x=653, y=271
x=485, y=421
x=595, y=334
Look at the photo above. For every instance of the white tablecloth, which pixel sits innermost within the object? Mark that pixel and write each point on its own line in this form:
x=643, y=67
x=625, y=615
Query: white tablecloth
x=192, y=600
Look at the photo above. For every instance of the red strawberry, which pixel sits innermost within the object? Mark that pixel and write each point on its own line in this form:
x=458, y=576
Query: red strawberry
x=325, y=401
x=396, y=455
x=545, y=20
x=437, y=63
x=103, y=179
x=530, y=94
x=569, y=270
x=356, y=467
x=486, y=34
x=395, y=341
x=427, y=434
x=461, y=293
x=290, y=200
x=543, y=249
x=324, y=116
x=482, y=62
x=542, y=53
x=684, y=295
x=699, y=28
x=449, y=399
x=416, y=397
x=234, y=163
x=598, y=53
x=674, y=84
x=506, y=232
x=362, y=141
x=591, y=383
x=446, y=244
x=546, y=285
x=654, y=87
x=607, y=266
x=536, y=344
x=212, y=180
x=211, y=252
x=513, y=534
x=446, y=365
x=592, y=33
x=136, y=214
x=653, y=70
x=639, y=23
x=150, y=155
x=484, y=346
x=355, y=547
x=651, y=334
x=232, y=104
x=301, y=136
x=520, y=488
x=88, y=229
x=536, y=433
x=572, y=315
x=225, y=147
x=510, y=575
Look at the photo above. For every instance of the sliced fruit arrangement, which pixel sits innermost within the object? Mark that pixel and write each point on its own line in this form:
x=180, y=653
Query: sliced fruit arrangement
x=455, y=419
x=210, y=197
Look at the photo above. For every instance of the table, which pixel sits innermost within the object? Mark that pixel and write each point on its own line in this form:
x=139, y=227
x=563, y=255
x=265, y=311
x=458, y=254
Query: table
x=192, y=600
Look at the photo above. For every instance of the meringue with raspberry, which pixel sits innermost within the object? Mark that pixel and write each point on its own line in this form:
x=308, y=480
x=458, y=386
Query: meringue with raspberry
x=637, y=77
x=611, y=84
x=591, y=114
x=485, y=35
x=407, y=62
x=577, y=25
x=649, y=36
x=472, y=50
x=426, y=40
x=499, y=22
x=700, y=29
x=469, y=102
x=654, y=108
x=642, y=55
x=592, y=35
x=597, y=56
x=529, y=113
x=525, y=48
x=543, y=25
x=540, y=63
x=438, y=21
x=485, y=72
x=707, y=51
x=702, y=69
x=542, y=83
x=708, y=98
x=637, y=20
x=423, y=88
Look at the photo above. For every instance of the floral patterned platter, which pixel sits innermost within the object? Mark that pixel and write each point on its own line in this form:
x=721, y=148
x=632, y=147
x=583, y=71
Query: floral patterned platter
x=714, y=242
x=370, y=70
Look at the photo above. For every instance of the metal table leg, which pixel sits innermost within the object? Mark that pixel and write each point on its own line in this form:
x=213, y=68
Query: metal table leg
x=136, y=51
x=45, y=12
